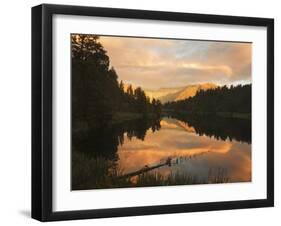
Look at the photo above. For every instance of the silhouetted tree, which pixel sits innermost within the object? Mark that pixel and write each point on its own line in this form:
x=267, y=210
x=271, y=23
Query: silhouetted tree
x=96, y=93
x=121, y=86
x=130, y=91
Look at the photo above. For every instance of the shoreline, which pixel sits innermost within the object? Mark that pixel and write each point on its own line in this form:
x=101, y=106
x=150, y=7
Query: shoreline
x=236, y=115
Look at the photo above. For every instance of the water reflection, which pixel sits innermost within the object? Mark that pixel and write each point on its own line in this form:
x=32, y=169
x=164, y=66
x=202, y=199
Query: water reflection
x=218, y=127
x=198, y=147
x=104, y=141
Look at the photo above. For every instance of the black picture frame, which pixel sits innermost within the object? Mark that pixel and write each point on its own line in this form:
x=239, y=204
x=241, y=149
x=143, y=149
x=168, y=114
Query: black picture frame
x=42, y=107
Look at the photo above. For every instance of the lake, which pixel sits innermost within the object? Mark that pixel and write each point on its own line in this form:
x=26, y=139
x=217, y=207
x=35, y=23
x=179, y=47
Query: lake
x=172, y=150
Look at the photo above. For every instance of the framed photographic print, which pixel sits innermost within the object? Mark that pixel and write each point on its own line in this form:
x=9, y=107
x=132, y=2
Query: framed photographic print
x=146, y=112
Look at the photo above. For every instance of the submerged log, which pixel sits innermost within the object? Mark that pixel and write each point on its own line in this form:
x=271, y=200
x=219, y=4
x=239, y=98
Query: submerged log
x=146, y=169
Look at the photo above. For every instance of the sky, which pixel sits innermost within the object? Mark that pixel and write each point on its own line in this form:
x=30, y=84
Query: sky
x=166, y=63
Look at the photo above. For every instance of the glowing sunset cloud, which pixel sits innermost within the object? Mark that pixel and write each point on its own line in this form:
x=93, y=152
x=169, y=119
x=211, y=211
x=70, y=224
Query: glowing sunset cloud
x=155, y=63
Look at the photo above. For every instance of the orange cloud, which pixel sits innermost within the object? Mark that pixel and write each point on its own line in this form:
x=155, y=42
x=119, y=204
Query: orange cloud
x=155, y=63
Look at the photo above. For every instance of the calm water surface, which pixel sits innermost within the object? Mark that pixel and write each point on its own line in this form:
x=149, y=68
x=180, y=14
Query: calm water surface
x=205, y=148
x=191, y=152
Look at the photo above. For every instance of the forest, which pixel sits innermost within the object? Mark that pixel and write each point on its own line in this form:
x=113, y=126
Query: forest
x=233, y=101
x=97, y=95
x=99, y=98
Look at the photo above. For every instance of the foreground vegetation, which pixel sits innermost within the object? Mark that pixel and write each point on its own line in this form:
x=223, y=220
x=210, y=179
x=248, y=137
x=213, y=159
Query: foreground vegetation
x=99, y=173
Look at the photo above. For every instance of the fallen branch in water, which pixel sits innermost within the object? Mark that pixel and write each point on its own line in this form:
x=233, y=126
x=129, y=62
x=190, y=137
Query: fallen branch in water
x=146, y=169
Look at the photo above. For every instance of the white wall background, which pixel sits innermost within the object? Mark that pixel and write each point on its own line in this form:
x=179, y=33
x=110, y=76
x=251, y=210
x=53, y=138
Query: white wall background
x=15, y=113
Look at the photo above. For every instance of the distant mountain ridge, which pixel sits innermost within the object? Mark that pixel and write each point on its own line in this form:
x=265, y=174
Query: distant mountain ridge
x=162, y=92
x=176, y=93
x=173, y=94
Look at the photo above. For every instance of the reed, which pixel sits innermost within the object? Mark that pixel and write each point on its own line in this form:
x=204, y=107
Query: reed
x=99, y=173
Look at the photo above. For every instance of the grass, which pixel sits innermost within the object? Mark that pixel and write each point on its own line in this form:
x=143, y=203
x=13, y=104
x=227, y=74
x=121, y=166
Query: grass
x=155, y=179
x=99, y=173
x=88, y=173
x=238, y=115
x=234, y=115
x=117, y=118
x=120, y=117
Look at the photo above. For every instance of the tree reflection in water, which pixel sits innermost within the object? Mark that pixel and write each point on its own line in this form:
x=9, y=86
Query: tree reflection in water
x=95, y=152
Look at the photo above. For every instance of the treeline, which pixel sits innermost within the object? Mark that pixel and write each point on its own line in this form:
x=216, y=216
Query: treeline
x=96, y=93
x=135, y=100
x=235, y=99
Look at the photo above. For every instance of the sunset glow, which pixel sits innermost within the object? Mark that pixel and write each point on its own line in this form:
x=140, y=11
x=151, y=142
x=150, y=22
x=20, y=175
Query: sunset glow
x=154, y=63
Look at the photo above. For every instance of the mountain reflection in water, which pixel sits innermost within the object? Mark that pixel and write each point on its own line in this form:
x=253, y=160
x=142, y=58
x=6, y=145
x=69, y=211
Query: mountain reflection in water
x=199, y=147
